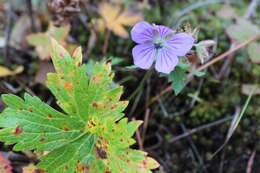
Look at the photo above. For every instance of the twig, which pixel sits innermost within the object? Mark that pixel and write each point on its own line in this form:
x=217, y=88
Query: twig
x=251, y=9
x=141, y=85
x=200, y=128
x=30, y=13
x=226, y=65
x=145, y=125
x=222, y=162
x=195, y=150
x=106, y=41
x=235, y=121
x=230, y=51
x=8, y=31
x=250, y=162
x=204, y=66
x=139, y=139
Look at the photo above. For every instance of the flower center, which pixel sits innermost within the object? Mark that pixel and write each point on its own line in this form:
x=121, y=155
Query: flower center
x=158, y=43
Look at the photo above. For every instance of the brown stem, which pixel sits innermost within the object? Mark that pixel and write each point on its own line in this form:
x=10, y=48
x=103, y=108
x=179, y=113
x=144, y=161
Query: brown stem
x=106, y=41
x=30, y=13
x=195, y=130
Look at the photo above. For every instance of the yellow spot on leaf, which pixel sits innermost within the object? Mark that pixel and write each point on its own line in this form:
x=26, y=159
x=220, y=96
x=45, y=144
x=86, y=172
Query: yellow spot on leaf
x=98, y=105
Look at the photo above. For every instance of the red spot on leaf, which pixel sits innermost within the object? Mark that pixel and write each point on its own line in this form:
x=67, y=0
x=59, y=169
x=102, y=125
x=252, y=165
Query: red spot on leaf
x=94, y=104
x=18, y=130
x=65, y=128
x=98, y=105
x=97, y=78
x=113, y=107
x=80, y=167
x=30, y=109
x=68, y=85
x=42, y=140
x=50, y=116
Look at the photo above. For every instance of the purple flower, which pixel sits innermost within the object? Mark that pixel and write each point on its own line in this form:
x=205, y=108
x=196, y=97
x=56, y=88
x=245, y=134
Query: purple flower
x=159, y=43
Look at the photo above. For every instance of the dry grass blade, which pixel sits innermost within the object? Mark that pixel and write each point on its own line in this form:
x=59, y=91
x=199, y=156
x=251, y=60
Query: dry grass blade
x=235, y=122
x=250, y=162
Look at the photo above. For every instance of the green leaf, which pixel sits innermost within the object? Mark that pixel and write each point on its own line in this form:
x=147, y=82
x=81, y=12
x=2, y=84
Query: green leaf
x=184, y=66
x=178, y=77
x=41, y=40
x=243, y=30
x=89, y=131
x=116, y=60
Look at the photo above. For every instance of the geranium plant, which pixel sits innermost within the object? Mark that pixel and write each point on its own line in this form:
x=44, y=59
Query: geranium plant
x=89, y=134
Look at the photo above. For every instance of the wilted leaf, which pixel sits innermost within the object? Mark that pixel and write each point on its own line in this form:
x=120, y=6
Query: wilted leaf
x=247, y=89
x=42, y=41
x=7, y=72
x=202, y=49
x=115, y=19
x=254, y=52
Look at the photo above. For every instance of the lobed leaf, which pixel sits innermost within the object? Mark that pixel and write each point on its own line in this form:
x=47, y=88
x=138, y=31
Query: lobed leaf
x=90, y=132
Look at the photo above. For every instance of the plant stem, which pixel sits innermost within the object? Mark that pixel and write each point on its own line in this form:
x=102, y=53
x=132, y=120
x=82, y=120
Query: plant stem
x=204, y=66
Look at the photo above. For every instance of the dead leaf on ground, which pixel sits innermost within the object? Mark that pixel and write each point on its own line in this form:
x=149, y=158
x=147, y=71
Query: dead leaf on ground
x=7, y=72
x=42, y=41
x=115, y=18
x=22, y=27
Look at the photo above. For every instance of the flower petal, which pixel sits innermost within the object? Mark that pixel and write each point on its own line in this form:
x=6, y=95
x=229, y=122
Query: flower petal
x=166, y=61
x=181, y=43
x=142, y=32
x=163, y=30
x=143, y=55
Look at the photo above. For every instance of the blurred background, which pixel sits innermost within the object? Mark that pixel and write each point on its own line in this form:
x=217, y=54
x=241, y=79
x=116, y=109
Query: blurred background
x=181, y=132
